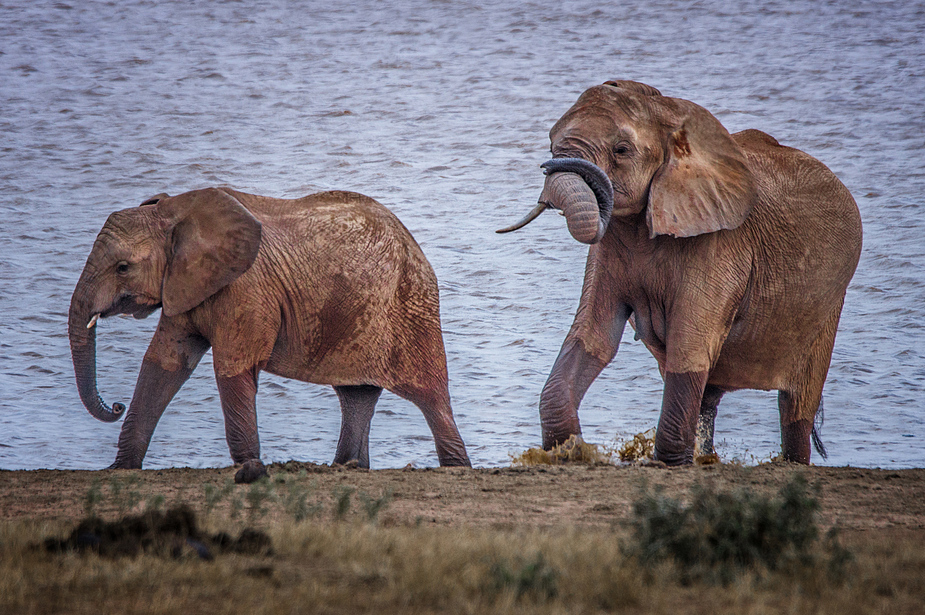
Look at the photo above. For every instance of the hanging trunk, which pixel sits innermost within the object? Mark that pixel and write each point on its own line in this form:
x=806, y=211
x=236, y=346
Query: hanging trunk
x=82, y=333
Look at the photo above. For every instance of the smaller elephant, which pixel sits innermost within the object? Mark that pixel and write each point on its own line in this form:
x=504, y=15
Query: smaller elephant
x=330, y=288
x=729, y=254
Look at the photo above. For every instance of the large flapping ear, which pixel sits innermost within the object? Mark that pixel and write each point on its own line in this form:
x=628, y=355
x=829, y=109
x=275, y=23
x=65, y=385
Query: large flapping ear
x=214, y=240
x=704, y=184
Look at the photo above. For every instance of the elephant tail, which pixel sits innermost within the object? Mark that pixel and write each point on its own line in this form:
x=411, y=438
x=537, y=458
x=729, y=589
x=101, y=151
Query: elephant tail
x=817, y=427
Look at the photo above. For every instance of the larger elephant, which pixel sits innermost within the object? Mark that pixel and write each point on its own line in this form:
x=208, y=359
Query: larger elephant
x=330, y=289
x=731, y=255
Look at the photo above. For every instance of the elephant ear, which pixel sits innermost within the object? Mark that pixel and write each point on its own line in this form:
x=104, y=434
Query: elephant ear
x=704, y=184
x=213, y=241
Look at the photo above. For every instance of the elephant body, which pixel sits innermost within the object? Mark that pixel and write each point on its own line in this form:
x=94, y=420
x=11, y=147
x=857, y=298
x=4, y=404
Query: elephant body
x=329, y=289
x=729, y=254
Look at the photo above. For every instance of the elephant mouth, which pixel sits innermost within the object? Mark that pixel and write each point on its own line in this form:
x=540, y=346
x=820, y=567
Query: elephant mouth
x=138, y=307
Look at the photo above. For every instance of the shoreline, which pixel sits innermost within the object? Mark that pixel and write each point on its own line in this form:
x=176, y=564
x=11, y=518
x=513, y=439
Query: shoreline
x=535, y=496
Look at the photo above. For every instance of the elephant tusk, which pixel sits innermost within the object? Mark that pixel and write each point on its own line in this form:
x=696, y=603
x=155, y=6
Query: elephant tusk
x=530, y=217
x=93, y=320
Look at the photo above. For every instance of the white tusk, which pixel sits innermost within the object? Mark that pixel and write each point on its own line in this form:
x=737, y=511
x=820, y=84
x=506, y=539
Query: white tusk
x=530, y=217
x=93, y=320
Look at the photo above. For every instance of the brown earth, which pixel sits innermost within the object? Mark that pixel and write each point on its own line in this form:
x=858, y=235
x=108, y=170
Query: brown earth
x=504, y=498
x=537, y=539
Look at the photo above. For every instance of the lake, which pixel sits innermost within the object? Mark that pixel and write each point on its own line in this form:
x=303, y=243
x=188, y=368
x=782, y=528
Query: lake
x=441, y=111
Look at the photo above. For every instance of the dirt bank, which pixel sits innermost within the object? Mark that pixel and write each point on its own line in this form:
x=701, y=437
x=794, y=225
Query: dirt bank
x=520, y=540
x=534, y=497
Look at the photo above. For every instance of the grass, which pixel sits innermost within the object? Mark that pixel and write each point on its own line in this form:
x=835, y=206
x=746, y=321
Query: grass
x=573, y=450
x=640, y=447
x=338, y=559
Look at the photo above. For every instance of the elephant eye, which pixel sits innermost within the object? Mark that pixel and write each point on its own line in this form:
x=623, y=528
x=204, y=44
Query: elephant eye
x=621, y=149
x=122, y=267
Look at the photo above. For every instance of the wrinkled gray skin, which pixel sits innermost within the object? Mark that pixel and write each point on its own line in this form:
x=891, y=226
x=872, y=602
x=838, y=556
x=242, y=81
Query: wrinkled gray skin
x=729, y=254
x=330, y=289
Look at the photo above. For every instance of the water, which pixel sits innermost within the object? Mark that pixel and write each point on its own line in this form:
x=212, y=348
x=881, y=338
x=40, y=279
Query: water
x=440, y=110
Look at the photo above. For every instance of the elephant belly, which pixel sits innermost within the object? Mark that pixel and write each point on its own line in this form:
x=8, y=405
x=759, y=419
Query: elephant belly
x=351, y=358
x=769, y=361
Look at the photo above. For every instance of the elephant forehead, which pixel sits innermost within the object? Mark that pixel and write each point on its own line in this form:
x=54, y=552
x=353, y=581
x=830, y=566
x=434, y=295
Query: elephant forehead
x=131, y=223
x=611, y=114
x=128, y=232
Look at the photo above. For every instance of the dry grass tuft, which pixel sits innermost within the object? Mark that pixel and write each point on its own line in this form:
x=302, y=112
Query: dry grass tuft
x=573, y=450
x=641, y=447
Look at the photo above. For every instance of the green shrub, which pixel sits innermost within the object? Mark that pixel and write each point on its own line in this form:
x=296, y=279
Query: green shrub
x=534, y=578
x=720, y=534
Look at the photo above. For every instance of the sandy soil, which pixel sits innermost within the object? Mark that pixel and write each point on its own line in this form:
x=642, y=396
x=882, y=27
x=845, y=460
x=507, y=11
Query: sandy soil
x=504, y=498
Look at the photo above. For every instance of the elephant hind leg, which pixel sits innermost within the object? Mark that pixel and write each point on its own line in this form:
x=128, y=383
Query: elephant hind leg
x=705, y=422
x=357, y=405
x=435, y=405
x=800, y=402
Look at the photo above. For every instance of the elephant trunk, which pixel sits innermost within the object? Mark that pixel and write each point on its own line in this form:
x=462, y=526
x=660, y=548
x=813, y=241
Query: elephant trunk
x=82, y=333
x=584, y=194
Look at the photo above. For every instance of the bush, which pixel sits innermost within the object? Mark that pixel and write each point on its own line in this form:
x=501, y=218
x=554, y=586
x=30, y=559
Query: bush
x=534, y=578
x=720, y=534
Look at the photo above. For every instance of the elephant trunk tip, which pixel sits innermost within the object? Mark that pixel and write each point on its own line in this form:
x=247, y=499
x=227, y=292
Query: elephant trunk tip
x=106, y=414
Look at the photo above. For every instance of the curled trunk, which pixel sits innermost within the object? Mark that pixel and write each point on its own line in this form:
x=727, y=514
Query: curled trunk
x=581, y=191
x=82, y=334
x=584, y=194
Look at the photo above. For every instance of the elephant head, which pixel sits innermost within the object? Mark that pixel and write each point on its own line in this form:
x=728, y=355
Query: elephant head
x=170, y=253
x=624, y=149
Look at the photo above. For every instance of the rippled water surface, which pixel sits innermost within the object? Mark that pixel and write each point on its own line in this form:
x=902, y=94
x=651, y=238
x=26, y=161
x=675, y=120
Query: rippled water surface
x=440, y=110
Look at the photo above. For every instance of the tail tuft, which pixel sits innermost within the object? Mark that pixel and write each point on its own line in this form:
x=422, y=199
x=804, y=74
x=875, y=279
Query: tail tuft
x=818, y=422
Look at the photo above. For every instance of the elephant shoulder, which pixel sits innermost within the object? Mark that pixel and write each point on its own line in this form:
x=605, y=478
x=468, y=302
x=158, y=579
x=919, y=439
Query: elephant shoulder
x=343, y=198
x=754, y=139
x=345, y=204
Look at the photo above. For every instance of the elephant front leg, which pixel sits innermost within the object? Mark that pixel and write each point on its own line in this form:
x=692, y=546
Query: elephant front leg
x=239, y=406
x=168, y=363
x=572, y=373
x=575, y=369
x=677, y=425
x=357, y=404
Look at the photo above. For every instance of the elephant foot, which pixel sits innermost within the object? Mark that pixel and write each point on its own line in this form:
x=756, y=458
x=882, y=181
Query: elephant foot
x=124, y=465
x=674, y=457
x=251, y=470
x=455, y=463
